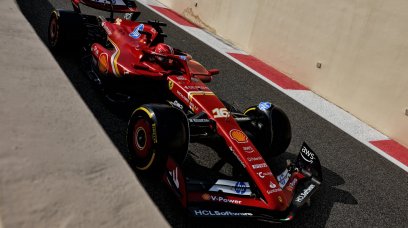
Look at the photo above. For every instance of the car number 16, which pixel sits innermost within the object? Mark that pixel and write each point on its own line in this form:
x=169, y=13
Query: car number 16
x=220, y=113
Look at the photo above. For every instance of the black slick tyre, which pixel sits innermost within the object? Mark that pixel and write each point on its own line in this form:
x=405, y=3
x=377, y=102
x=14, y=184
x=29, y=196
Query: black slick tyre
x=155, y=132
x=271, y=130
x=65, y=30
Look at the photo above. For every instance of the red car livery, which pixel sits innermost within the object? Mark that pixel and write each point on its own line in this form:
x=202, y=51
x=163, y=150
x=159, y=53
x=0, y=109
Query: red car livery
x=130, y=63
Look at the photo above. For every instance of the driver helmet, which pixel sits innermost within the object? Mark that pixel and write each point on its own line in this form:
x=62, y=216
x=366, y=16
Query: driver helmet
x=163, y=48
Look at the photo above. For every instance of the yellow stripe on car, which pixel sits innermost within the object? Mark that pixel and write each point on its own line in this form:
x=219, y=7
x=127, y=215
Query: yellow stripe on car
x=114, y=59
x=202, y=93
x=249, y=109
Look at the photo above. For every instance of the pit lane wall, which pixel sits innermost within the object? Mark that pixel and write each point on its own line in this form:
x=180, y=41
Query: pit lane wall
x=58, y=168
x=361, y=46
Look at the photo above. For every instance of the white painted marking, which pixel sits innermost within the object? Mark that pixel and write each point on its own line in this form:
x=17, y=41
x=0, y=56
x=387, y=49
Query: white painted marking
x=337, y=116
x=174, y=175
x=154, y=3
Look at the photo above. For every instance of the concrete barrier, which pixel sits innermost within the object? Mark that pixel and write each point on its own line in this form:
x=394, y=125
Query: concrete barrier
x=58, y=168
x=360, y=48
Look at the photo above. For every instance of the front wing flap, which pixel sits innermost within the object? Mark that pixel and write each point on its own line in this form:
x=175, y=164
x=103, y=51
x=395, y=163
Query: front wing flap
x=306, y=165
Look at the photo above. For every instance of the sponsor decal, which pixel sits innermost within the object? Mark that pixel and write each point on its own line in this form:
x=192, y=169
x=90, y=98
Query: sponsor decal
x=107, y=30
x=103, y=63
x=220, y=113
x=229, y=186
x=206, y=196
x=262, y=174
x=174, y=175
x=307, y=154
x=220, y=199
x=181, y=78
x=238, y=136
x=118, y=21
x=241, y=119
x=273, y=188
x=136, y=34
x=240, y=188
x=199, y=120
x=195, y=87
x=248, y=149
x=154, y=133
x=292, y=184
x=264, y=106
x=273, y=191
x=171, y=84
x=221, y=213
x=283, y=178
x=259, y=166
x=254, y=158
x=305, y=192
x=183, y=97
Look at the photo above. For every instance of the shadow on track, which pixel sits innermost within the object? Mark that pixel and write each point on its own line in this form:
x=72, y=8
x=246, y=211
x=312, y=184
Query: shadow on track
x=114, y=122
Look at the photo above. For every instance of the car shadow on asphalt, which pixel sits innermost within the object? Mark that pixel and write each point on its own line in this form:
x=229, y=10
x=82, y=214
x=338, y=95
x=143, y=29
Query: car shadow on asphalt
x=114, y=122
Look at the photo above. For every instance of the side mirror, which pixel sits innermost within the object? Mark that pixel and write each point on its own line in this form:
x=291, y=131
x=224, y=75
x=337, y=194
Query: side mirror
x=213, y=72
x=204, y=78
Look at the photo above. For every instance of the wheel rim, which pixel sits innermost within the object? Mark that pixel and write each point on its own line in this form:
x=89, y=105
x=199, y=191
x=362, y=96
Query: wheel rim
x=142, y=142
x=53, y=31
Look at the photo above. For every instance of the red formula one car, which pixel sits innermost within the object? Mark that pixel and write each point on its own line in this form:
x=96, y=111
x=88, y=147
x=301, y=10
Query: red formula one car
x=129, y=60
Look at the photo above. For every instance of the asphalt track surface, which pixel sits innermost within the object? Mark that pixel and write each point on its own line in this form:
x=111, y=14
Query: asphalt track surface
x=360, y=188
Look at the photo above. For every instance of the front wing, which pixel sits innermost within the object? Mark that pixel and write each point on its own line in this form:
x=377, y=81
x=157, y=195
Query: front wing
x=229, y=198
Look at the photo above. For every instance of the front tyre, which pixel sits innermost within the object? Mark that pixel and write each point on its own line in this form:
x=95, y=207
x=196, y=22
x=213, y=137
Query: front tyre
x=156, y=131
x=271, y=129
x=141, y=143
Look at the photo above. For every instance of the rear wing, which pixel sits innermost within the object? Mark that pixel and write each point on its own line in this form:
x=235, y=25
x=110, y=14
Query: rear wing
x=117, y=6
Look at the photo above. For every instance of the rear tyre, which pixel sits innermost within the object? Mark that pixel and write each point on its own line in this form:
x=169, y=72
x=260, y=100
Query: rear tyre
x=156, y=131
x=271, y=131
x=65, y=30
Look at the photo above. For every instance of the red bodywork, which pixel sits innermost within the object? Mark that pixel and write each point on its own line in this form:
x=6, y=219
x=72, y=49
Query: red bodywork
x=132, y=55
x=199, y=98
x=125, y=59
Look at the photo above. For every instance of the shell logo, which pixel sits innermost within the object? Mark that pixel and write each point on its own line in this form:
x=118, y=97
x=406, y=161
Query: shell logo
x=238, y=136
x=206, y=196
x=171, y=84
x=103, y=63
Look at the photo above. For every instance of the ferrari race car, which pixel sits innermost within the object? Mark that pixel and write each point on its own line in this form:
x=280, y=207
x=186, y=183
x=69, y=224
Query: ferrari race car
x=129, y=60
